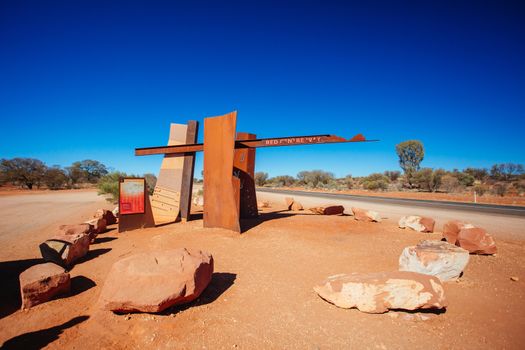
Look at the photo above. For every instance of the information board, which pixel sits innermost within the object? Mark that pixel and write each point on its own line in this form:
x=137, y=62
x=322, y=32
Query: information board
x=132, y=192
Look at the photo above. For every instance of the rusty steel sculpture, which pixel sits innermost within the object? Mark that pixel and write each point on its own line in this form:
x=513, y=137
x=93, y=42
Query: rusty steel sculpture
x=229, y=166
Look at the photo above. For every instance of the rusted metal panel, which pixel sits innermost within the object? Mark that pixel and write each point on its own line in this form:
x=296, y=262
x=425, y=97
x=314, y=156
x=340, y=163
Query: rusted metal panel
x=221, y=188
x=187, y=172
x=269, y=142
x=244, y=169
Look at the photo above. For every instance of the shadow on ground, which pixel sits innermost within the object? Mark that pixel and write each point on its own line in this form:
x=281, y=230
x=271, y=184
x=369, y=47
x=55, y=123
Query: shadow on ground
x=93, y=254
x=10, y=271
x=41, y=338
x=104, y=239
x=247, y=224
x=220, y=282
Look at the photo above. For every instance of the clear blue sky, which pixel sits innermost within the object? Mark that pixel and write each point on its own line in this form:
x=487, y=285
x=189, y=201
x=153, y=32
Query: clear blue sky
x=90, y=79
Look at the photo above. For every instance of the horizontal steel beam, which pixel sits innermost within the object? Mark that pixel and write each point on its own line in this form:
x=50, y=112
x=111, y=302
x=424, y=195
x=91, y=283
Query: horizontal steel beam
x=269, y=142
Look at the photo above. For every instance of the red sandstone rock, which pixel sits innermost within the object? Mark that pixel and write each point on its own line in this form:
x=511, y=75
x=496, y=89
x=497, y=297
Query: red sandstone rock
x=451, y=230
x=289, y=202
x=106, y=215
x=99, y=225
x=417, y=223
x=379, y=292
x=328, y=210
x=366, y=215
x=76, y=229
x=476, y=240
x=42, y=282
x=152, y=282
x=64, y=250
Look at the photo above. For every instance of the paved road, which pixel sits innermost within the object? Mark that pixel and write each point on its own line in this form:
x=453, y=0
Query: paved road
x=502, y=221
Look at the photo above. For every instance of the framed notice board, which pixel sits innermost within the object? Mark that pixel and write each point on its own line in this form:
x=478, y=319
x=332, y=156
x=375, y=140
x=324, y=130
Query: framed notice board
x=132, y=196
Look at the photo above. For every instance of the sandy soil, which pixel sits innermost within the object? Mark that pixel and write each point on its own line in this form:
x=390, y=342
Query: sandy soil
x=261, y=294
x=437, y=196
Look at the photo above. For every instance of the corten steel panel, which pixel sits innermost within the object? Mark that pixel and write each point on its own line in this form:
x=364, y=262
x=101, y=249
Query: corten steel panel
x=269, y=142
x=221, y=188
x=187, y=173
x=165, y=201
x=244, y=168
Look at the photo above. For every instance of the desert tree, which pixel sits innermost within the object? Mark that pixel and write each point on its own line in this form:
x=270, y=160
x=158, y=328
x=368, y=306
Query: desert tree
x=479, y=174
x=282, y=180
x=375, y=181
x=23, y=171
x=88, y=170
x=151, y=182
x=260, y=178
x=393, y=175
x=55, y=178
x=315, y=177
x=411, y=154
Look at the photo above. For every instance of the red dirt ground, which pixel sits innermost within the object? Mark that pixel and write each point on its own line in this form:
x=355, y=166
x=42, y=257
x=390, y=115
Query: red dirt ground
x=261, y=294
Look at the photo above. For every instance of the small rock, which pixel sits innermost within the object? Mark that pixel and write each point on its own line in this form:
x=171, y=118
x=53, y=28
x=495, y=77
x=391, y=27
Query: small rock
x=115, y=211
x=106, y=215
x=42, y=282
x=64, y=250
x=152, y=282
x=264, y=204
x=296, y=206
x=476, y=240
x=366, y=215
x=417, y=223
x=514, y=278
x=379, y=292
x=437, y=258
x=328, y=210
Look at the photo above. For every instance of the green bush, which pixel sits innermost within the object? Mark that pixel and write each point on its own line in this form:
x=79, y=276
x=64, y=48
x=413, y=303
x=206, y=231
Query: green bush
x=109, y=184
x=375, y=182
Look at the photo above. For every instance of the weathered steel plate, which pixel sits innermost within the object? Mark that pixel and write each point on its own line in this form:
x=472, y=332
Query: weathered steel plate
x=244, y=169
x=221, y=188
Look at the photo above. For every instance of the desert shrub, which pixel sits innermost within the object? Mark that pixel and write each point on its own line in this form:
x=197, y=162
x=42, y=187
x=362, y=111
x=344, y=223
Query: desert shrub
x=519, y=186
x=315, y=177
x=375, y=181
x=464, y=178
x=450, y=184
x=480, y=189
x=108, y=184
x=500, y=189
x=479, y=174
x=429, y=179
x=55, y=178
x=260, y=178
x=392, y=175
x=282, y=180
x=348, y=181
x=151, y=182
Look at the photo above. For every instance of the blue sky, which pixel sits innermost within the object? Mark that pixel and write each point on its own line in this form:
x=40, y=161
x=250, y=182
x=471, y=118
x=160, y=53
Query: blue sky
x=89, y=79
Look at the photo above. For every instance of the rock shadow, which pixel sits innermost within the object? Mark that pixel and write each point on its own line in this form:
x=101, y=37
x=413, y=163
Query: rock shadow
x=79, y=284
x=220, y=282
x=41, y=338
x=247, y=224
x=92, y=254
x=104, y=240
x=10, y=300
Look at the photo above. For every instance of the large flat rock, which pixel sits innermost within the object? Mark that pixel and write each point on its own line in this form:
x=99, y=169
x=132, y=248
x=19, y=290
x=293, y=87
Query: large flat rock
x=152, y=282
x=379, y=292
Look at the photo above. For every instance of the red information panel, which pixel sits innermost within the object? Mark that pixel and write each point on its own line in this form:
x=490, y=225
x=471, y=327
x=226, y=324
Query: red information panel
x=132, y=196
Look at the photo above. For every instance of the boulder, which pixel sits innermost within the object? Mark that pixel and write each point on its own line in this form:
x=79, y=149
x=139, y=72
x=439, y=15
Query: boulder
x=451, y=230
x=106, y=215
x=366, y=215
x=76, y=229
x=328, y=210
x=152, y=282
x=99, y=225
x=379, y=292
x=417, y=223
x=64, y=250
x=296, y=206
x=42, y=282
x=289, y=202
x=476, y=240
x=437, y=258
